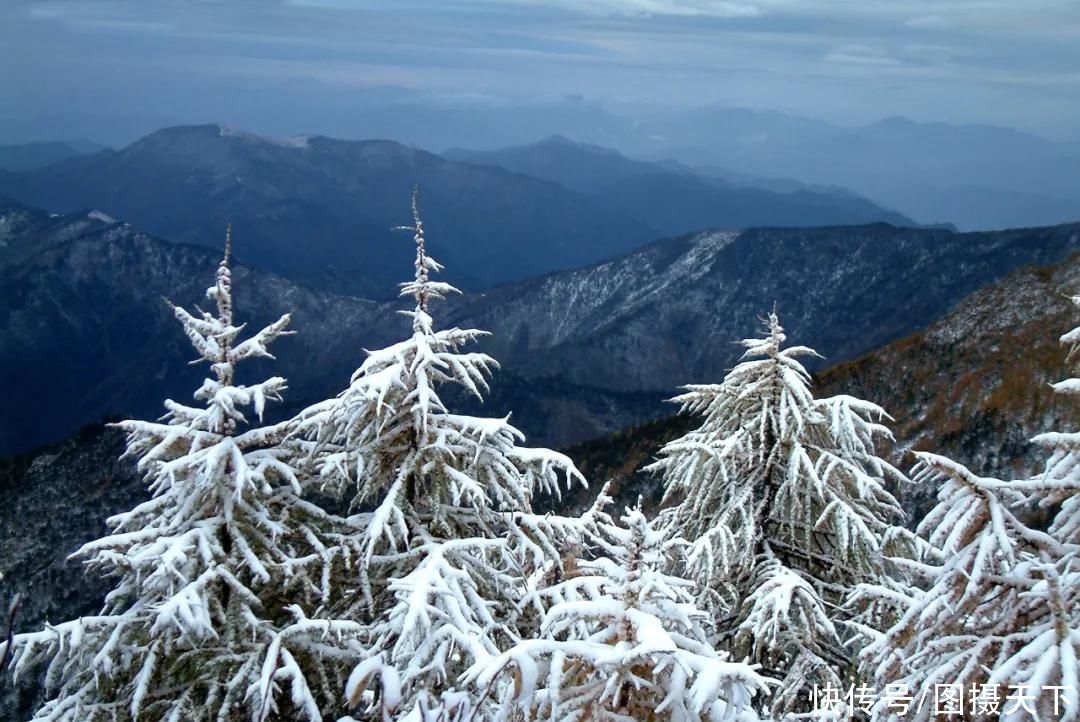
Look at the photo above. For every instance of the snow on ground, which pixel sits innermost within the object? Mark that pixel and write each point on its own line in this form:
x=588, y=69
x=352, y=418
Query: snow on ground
x=100, y=216
x=296, y=141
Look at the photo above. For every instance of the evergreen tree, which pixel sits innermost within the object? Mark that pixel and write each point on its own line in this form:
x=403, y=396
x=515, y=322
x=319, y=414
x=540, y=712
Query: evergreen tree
x=445, y=524
x=783, y=504
x=621, y=640
x=1061, y=476
x=220, y=576
x=997, y=620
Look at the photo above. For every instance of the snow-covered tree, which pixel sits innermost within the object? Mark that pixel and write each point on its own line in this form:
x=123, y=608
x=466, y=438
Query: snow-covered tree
x=999, y=611
x=444, y=517
x=998, y=619
x=220, y=576
x=782, y=500
x=1061, y=477
x=621, y=640
x=9, y=631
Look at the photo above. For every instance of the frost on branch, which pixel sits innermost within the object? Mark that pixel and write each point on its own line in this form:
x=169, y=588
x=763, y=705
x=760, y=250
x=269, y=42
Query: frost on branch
x=1001, y=607
x=782, y=500
x=620, y=640
x=219, y=576
x=1061, y=475
x=442, y=501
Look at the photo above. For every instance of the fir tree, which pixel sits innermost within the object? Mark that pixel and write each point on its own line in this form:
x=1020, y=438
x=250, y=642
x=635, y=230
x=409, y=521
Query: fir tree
x=220, y=576
x=621, y=640
x=783, y=504
x=444, y=509
x=998, y=617
x=1061, y=476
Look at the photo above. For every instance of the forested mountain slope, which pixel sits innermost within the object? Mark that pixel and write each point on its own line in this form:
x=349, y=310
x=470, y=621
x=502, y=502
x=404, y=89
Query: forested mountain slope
x=671, y=313
x=84, y=333
x=973, y=386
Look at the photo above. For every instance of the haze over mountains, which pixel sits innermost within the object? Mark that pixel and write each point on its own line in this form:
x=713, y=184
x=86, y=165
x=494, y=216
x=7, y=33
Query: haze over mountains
x=976, y=176
x=320, y=210
x=30, y=156
x=676, y=199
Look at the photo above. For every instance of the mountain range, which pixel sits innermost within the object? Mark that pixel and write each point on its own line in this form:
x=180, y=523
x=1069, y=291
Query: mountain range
x=674, y=198
x=30, y=156
x=320, y=210
x=84, y=333
x=672, y=312
x=975, y=176
x=974, y=385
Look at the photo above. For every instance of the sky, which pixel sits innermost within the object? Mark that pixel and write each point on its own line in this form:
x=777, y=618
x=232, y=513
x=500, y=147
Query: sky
x=111, y=70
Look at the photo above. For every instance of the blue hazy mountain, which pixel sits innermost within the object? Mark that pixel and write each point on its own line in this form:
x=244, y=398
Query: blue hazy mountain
x=321, y=210
x=28, y=156
x=675, y=198
x=976, y=176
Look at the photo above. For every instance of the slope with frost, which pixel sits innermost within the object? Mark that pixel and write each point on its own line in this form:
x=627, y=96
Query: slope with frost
x=974, y=386
x=594, y=349
x=670, y=313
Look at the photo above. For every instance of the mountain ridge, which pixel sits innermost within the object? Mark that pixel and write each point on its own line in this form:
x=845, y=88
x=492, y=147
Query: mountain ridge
x=184, y=183
x=29, y=156
x=606, y=316
x=973, y=385
x=594, y=348
x=673, y=197
x=85, y=333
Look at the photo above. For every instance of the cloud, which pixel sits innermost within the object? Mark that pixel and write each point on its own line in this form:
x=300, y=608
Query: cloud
x=930, y=22
x=860, y=55
x=650, y=8
x=43, y=12
x=971, y=60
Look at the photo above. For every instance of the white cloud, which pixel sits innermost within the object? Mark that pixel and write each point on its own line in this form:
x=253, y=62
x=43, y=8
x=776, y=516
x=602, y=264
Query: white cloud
x=647, y=8
x=929, y=22
x=864, y=57
x=43, y=12
x=860, y=55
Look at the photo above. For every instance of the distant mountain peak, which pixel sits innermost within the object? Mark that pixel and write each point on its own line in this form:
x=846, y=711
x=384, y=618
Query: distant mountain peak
x=674, y=198
x=560, y=140
x=212, y=132
x=896, y=121
x=30, y=156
